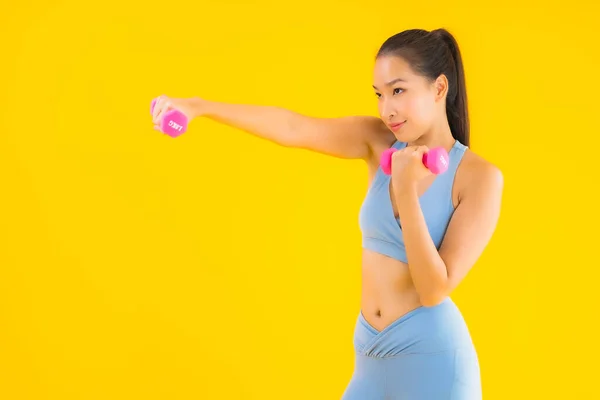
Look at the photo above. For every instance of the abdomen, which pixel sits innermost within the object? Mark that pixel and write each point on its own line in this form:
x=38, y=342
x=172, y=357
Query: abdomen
x=387, y=289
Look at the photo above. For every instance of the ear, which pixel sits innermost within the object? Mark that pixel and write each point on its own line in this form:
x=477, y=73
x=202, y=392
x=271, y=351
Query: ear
x=440, y=87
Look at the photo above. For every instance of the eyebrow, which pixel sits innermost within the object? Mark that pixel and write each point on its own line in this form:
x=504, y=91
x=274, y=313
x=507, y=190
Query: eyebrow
x=390, y=83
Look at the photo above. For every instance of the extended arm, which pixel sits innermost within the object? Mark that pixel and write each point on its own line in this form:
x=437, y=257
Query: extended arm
x=350, y=137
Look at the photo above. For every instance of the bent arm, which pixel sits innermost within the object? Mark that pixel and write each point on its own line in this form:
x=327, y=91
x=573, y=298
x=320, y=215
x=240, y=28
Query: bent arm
x=437, y=273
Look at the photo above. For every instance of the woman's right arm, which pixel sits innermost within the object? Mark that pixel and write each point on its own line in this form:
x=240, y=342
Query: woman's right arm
x=350, y=137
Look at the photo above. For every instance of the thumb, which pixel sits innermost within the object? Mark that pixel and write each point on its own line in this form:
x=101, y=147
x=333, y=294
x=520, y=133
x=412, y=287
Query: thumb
x=419, y=151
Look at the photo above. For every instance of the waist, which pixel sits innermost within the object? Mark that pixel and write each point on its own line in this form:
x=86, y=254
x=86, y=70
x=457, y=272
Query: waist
x=387, y=289
x=423, y=330
x=388, y=247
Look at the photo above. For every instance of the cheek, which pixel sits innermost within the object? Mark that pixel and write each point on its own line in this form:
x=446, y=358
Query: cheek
x=419, y=109
x=380, y=108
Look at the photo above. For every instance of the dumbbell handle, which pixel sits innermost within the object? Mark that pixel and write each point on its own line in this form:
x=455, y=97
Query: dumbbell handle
x=436, y=160
x=173, y=123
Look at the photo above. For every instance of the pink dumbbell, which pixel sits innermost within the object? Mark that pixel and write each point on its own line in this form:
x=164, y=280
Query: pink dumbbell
x=173, y=123
x=436, y=160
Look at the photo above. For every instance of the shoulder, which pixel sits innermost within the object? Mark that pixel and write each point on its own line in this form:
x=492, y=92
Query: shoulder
x=378, y=136
x=479, y=176
x=377, y=133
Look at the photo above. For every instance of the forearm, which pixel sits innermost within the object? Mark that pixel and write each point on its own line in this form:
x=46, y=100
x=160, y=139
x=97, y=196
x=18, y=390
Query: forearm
x=275, y=124
x=427, y=268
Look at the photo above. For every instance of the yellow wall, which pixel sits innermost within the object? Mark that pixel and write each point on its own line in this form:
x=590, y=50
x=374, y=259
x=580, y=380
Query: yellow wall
x=136, y=266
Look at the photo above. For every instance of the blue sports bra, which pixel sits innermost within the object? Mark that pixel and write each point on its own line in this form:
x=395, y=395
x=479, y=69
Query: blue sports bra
x=381, y=230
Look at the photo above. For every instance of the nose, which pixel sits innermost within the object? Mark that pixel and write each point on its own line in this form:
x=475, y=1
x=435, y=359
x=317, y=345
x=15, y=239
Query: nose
x=387, y=110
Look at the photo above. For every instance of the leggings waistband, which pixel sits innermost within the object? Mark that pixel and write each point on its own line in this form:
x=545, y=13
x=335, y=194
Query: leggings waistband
x=420, y=331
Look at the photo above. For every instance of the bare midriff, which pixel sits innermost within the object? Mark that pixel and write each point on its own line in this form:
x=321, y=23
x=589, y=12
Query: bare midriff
x=387, y=289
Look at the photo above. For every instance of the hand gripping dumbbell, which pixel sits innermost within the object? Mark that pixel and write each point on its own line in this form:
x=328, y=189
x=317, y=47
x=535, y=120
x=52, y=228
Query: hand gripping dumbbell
x=436, y=160
x=173, y=122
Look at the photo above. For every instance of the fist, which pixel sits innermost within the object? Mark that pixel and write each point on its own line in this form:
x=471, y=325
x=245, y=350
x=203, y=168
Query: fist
x=190, y=107
x=407, y=165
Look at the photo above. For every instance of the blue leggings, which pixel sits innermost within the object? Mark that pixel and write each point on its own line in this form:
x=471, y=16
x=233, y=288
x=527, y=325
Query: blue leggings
x=427, y=354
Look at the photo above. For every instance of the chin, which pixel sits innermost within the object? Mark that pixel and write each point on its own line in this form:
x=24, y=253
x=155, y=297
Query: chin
x=405, y=137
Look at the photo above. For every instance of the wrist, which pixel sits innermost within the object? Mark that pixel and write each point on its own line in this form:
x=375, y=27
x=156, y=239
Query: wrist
x=406, y=188
x=407, y=200
x=200, y=107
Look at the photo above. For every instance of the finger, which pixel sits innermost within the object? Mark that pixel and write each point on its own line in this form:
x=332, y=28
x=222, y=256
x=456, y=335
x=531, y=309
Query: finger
x=158, y=106
x=420, y=150
x=165, y=107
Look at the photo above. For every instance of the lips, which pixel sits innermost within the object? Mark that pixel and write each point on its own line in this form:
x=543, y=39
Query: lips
x=396, y=126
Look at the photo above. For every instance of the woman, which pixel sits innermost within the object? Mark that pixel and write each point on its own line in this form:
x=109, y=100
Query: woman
x=422, y=232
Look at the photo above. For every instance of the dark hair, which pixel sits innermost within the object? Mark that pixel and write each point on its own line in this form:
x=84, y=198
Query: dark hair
x=432, y=53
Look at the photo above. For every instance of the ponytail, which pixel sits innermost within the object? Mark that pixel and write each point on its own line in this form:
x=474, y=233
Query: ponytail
x=457, y=109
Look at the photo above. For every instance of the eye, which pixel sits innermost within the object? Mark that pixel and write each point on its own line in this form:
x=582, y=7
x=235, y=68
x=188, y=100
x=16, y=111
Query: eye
x=378, y=94
x=397, y=90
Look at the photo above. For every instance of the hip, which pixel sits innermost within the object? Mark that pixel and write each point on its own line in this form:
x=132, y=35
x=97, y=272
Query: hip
x=422, y=330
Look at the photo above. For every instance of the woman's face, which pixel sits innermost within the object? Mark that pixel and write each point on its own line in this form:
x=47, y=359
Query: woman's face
x=408, y=103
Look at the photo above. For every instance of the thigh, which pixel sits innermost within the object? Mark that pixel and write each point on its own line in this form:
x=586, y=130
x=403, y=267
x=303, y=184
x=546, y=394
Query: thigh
x=368, y=380
x=362, y=389
x=449, y=375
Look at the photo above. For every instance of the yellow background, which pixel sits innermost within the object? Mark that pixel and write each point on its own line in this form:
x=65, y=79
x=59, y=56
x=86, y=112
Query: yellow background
x=220, y=266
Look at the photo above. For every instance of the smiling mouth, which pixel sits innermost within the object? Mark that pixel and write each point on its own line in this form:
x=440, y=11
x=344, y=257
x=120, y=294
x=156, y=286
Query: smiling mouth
x=396, y=126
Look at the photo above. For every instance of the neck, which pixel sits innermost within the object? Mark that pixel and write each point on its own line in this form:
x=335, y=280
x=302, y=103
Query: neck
x=439, y=136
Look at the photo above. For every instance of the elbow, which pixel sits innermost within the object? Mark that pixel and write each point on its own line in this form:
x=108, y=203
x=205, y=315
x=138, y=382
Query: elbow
x=432, y=298
x=294, y=133
x=431, y=301
x=435, y=291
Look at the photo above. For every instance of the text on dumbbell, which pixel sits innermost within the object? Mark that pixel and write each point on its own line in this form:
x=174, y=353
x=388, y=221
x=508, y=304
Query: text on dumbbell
x=175, y=125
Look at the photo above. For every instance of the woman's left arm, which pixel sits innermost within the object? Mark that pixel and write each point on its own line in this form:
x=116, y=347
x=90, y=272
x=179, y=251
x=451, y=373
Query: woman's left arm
x=437, y=273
